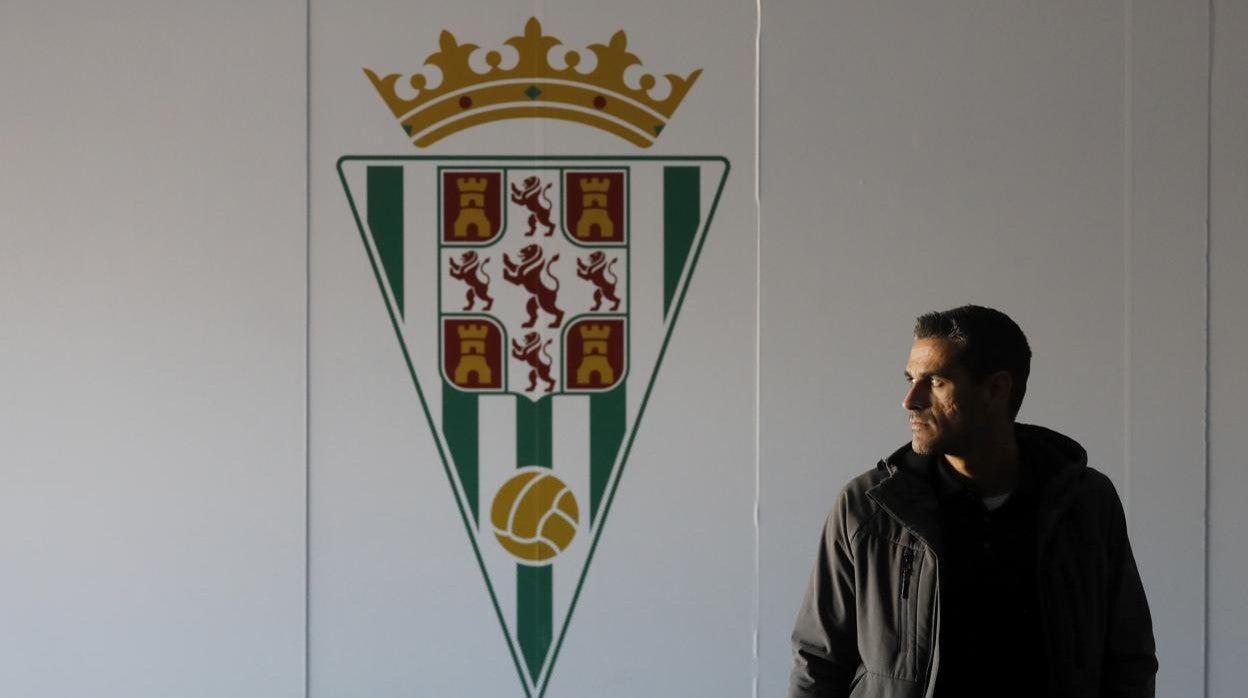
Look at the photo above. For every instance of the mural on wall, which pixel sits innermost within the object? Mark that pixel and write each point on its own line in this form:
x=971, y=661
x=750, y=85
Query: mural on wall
x=535, y=347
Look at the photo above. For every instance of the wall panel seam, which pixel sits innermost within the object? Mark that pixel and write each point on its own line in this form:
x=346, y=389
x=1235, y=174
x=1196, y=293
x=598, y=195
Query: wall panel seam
x=1127, y=239
x=758, y=341
x=1208, y=261
x=307, y=350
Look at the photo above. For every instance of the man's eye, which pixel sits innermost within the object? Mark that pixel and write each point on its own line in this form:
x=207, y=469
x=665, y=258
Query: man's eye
x=936, y=382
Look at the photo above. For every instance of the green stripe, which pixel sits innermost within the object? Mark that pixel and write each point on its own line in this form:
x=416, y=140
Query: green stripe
x=385, y=222
x=533, y=432
x=606, y=431
x=534, y=615
x=461, y=425
x=534, y=588
x=682, y=213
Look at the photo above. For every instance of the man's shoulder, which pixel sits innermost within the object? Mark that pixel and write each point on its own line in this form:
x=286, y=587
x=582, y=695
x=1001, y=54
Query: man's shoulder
x=858, y=485
x=1063, y=467
x=853, y=505
x=1096, y=490
x=1096, y=482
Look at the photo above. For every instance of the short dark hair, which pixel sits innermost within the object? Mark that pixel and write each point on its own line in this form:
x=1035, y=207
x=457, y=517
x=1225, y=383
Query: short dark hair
x=990, y=341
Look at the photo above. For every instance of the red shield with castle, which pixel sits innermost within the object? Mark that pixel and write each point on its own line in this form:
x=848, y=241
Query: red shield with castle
x=471, y=206
x=594, y=206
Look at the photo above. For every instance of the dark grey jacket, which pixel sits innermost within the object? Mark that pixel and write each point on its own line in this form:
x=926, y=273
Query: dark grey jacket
x=857, y=636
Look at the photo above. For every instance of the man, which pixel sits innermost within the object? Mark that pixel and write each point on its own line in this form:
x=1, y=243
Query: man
x=984, y=558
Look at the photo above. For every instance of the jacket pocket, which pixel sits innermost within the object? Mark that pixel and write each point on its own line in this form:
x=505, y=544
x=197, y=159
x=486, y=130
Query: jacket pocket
x=905, y=562
x=910, y=594
x=890, y=592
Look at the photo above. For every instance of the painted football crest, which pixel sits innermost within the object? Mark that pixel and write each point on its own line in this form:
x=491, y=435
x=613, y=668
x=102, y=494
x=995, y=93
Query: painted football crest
x=533, y=298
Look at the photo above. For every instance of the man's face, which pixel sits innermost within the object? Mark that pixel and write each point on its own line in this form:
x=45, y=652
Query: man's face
x=947, y=407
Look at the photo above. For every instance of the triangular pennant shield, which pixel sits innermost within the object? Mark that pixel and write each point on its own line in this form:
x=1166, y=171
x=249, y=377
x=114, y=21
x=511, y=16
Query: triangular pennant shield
x=533, y=299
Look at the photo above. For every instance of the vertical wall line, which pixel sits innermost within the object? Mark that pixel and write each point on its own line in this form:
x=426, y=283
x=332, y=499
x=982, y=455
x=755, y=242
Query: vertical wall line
x=758, y=336
x=1205, y=636
x=1127, y=240
x=307, y=349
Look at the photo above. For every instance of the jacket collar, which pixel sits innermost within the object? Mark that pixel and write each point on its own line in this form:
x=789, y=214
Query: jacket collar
x=909, y=492
x=909, y=496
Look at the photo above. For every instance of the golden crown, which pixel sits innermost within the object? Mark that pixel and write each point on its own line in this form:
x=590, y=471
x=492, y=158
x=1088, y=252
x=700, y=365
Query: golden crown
x=532, y=88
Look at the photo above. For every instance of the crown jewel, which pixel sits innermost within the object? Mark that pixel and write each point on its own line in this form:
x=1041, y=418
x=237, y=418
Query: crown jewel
x=532, y=88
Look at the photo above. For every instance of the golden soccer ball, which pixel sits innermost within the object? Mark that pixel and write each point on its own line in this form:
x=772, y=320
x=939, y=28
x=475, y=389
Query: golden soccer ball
x=534, y=515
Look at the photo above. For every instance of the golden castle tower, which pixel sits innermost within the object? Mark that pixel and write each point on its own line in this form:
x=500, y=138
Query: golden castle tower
x=472, y=359
x=472, y=207
x=594, y=358
x=594, y=200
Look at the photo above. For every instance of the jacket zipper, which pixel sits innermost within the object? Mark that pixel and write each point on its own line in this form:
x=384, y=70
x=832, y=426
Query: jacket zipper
x=905, y=632
x=907, y=566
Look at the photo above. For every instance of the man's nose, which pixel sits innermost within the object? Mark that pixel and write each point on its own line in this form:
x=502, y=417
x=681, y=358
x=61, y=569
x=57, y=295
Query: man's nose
x=916, y=397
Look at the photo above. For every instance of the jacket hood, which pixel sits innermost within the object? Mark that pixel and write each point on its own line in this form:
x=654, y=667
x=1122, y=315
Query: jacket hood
x=1046, y=448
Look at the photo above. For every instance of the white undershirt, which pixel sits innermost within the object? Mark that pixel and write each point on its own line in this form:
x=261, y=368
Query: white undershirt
x=994, y=503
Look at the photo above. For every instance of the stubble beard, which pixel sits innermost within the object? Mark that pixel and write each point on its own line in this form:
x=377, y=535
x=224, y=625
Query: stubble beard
x=926, y=445
x=927, y=439
x=923, y=448
x=942, y=440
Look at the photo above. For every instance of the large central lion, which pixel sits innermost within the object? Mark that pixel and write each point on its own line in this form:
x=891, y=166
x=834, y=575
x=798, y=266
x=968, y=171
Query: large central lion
x=527, y=273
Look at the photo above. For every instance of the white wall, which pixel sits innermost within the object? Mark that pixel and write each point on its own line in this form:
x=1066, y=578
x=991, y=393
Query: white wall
x=152, y=334
x=1228, y=343
x=1059, y=161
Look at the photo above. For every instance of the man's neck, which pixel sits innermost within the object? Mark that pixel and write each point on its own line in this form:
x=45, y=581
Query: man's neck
x=993, y=466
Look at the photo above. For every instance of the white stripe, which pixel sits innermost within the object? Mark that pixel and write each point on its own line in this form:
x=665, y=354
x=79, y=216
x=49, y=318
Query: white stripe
x=645, y=300
x=571, y=464
x=497, y=449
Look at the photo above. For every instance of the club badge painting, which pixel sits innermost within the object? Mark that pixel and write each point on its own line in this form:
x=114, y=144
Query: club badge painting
x=532, y=296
